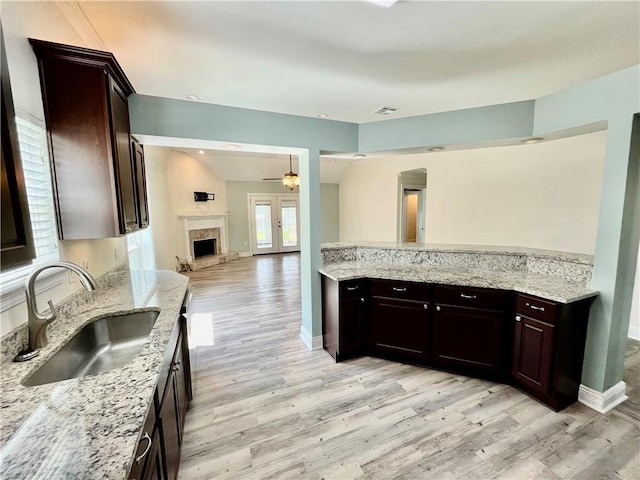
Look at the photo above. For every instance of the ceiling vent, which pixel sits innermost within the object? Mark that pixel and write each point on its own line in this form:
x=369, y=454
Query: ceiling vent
x=385, y=110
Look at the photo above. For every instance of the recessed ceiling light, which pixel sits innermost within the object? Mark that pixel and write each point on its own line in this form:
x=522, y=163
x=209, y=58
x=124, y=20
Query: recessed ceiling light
x=192, y=97
x=231, y=146
x=436, y=149
x=359, y=155
x=531, y=141
x=383, y=3
x=201, y=152
x=322, y=115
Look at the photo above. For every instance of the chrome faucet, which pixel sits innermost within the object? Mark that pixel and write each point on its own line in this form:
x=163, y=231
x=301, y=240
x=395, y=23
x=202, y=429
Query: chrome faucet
x=38, y=321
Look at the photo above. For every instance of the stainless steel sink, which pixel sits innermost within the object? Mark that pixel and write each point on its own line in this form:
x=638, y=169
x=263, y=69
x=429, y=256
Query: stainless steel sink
x=104, y=344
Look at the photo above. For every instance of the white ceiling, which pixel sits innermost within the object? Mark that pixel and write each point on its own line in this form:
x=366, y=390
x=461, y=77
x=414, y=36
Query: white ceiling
x=346, y=59
x=245, y=166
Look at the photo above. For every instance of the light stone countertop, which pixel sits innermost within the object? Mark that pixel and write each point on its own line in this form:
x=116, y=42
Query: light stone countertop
x=545, y=286
x=487, y=249
x=89, y=427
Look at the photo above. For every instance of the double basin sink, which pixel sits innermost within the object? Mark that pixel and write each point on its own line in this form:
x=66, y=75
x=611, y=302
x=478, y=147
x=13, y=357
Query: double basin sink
x=101, y=345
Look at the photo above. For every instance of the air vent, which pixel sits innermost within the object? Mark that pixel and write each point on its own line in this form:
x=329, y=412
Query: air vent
x=385, y=110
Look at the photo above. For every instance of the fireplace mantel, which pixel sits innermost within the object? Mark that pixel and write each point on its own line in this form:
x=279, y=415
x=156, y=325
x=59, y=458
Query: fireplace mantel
x=196, y=221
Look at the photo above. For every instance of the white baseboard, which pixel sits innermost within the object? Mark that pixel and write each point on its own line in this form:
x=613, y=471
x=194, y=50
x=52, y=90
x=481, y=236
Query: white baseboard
x=634, y=332
x=603, y=401
x=245, y=254
x=312, y=343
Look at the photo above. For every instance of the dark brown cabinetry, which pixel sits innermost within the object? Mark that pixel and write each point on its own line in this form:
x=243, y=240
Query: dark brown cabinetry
x=399, y=327
x=148, y=461
x=17, y=246
x=468, y=329
x=548, y=348
x=158, y=455
x=343, y=317
x=461, y=329
x=94, y=169
x=141, y=183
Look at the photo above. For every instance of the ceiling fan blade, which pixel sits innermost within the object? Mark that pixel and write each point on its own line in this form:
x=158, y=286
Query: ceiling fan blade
x=278, y=179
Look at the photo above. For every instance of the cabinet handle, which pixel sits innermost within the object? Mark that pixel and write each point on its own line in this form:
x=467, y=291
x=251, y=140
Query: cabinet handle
x=438, y=308
x=351, y=289
x=425, y=306
x=518, y=318
x=469, y=297
x=398, y=289
x=146, y=450
x=535, y=308
x=362, y=299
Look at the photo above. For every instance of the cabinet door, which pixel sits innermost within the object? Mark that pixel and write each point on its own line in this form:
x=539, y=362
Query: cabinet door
x=141, y=184
x=180, y=388
x=532, y=353
x=154, y=469
x=352, y=323
x=170, y=429
x=399, y=327
x=123, y=159
x=468, y=337
x=17, y=241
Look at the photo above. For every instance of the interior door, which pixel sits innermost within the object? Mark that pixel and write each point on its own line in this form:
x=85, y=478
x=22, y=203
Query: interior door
x=274, y=223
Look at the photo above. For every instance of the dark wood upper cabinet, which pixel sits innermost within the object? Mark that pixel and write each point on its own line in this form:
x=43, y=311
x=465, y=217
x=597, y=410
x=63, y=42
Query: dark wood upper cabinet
x=141, y=183
x=17, y=246
x=86, y=111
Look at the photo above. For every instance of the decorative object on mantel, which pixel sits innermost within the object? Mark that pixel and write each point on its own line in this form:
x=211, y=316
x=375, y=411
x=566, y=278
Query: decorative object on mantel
x=203, y=196
x=291, y=179
x=183, y=265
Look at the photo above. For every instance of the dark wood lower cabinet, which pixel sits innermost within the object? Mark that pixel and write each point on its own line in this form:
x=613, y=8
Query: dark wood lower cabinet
x=471, y=338
x=160, y=458
x=399, y=327
x=462, y=329
x=344, y=317
x=532, y=353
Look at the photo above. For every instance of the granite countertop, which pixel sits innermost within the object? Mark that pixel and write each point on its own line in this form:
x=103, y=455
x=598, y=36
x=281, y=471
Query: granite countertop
x=545, y=286
x=486, y=249
x=89, y=427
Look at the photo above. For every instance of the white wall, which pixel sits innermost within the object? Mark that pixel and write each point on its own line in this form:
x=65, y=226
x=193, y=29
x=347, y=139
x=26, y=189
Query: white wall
x=172, y=177
x=21, y=20
x=544, y=195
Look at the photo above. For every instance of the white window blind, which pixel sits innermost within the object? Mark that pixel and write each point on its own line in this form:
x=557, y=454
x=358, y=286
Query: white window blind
x=37, y=179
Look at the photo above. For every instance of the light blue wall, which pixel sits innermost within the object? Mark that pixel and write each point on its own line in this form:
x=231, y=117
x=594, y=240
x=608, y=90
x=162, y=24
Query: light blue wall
x=612, y=99
x=473, y=125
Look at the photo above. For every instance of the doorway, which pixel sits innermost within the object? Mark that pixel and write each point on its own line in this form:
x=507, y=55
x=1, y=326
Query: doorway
x=412, y=186
x=274, y=223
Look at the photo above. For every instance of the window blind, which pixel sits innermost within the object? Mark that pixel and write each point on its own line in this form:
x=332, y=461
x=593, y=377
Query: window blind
x=37, y=179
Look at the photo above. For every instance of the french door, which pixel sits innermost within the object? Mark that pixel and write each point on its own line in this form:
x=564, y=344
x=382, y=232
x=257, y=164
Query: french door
x=274, y=223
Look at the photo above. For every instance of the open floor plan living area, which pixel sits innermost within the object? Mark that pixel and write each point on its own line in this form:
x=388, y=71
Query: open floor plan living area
x=320, y=240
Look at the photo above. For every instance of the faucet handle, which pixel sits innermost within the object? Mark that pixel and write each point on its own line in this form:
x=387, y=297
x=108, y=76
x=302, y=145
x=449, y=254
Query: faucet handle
x=52, y=315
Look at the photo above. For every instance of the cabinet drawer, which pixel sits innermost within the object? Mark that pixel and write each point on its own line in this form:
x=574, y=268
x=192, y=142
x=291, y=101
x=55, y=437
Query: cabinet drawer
x=353, y=288
x=471, y=297
x=403, y=290
x=537, y=308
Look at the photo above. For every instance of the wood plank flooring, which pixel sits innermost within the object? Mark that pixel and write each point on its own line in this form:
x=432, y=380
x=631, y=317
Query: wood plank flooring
x=266, y=407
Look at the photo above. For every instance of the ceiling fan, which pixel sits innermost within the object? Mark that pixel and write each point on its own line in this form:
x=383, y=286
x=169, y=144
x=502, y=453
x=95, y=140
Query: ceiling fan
x=289, y=179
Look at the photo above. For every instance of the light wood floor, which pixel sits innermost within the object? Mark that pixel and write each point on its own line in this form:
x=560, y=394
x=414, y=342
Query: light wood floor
x=266, y=407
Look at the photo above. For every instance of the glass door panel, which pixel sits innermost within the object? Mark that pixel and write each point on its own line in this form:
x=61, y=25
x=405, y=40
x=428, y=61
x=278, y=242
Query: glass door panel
x=262, y=224
x=288, y=223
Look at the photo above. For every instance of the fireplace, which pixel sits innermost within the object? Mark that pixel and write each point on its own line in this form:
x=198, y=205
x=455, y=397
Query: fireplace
x=204, y=247
x=203, y=242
